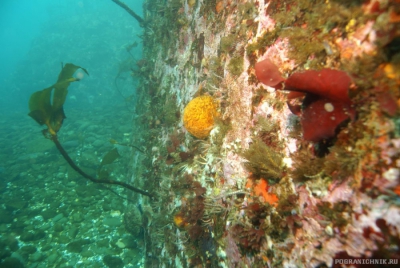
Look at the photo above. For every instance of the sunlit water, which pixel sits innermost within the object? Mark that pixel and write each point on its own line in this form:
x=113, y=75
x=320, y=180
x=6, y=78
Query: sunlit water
x=49, y=215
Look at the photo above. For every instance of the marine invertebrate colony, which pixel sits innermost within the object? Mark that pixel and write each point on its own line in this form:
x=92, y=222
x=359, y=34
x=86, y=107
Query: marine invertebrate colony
x=198, y=116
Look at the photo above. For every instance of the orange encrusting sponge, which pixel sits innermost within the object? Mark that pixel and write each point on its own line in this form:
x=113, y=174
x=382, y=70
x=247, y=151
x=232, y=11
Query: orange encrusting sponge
x=198, y=116
x=179, y=220
x=261, y=189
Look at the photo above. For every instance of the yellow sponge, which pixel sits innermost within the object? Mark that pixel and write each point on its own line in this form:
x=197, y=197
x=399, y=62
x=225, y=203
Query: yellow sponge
x=198, y=116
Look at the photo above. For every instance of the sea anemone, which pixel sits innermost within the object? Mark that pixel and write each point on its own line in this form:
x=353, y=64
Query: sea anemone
x=198, y=116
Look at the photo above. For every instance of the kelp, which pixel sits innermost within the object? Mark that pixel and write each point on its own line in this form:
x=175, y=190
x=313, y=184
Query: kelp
x=48, y=111
x=109, y=158
x=46, y=108
x=131, y=12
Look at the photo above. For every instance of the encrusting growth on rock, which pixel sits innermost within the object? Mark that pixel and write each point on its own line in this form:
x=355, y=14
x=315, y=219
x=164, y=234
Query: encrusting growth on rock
x=198, y=116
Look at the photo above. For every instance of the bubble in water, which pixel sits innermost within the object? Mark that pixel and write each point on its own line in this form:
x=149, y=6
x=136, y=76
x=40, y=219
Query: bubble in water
x=79, y=75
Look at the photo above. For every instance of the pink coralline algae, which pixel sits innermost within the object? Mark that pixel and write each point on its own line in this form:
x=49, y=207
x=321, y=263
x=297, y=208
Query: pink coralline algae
x=326, y=105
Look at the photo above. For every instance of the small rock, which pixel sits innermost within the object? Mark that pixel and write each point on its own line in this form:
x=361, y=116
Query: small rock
x=52, y=258
x=11, y=242
x=5, y=217
x=36, y=257
x=77, y=246
x=28, y=236
x=49, y=214
x=73, y=232
x=4, y=253
x=71, y=144
x=112, y=221
x=113, y=261
x=12, y=263
x=45, y=226
x=103, y=243
x=27, y=250
x=16, y=205
x=77, y=217
x=120, y=244
x=98, y=143
x=87, y=253
x=58, y=227
x=129, y=242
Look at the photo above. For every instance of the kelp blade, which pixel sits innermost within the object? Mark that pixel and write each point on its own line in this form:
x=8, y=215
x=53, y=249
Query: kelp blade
x=110, y=157
x=51, y=113
x=68, y=71
x=40, y=106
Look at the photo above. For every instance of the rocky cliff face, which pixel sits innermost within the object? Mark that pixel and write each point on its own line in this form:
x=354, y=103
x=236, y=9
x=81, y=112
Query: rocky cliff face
x=301, y=167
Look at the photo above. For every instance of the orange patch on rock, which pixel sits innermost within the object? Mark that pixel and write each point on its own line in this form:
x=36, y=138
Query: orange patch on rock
x=219, y=6
x=261, y=189
x=180, y=221
x=397, y=190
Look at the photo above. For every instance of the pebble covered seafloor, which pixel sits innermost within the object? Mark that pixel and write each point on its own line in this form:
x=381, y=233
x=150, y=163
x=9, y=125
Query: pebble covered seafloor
x=49, y=215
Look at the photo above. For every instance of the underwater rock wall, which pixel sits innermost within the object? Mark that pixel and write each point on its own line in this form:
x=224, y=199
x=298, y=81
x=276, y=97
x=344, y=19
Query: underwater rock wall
x=301, y=166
